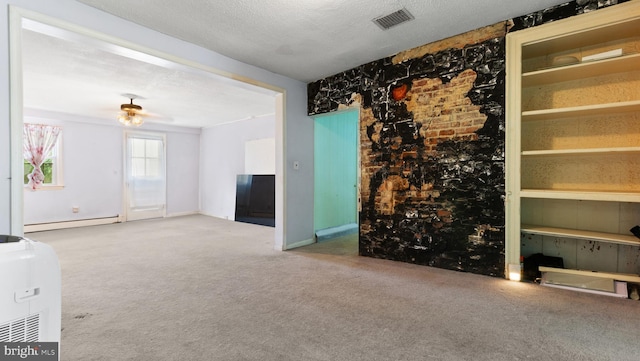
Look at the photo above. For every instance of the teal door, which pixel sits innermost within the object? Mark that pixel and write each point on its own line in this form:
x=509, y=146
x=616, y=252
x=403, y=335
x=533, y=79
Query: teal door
x=336, y=170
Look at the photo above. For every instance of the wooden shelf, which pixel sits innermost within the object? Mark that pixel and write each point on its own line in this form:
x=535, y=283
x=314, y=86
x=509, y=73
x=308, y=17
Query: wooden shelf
x=629, y=240
x=583, y=151
x=631, y=197
x=621, y=64
x=610, y=275
x=588, y=110
x=580, y=39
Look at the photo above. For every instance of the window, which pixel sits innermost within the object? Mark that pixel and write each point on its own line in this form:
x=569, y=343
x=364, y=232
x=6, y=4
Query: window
x=50, y=168
x=42, y=145
x=145, y=174
x=146, y=158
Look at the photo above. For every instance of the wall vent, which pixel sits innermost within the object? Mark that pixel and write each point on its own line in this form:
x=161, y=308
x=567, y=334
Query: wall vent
x=398, y=17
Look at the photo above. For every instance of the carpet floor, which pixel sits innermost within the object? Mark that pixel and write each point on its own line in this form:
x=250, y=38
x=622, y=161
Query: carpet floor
x=202, y=288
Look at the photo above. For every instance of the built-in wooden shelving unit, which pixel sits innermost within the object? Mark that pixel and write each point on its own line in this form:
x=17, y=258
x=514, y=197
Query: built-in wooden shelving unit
x=573, y=143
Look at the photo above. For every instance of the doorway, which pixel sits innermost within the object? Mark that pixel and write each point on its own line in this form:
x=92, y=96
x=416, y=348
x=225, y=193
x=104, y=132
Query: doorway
x=145, y=176
x=336, y=174
x=22, y=19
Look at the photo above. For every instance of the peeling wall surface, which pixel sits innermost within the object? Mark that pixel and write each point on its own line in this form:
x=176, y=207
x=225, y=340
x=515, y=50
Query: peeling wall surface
x=432, y=145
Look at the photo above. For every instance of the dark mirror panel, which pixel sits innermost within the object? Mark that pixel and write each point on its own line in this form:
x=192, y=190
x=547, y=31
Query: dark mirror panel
x=256, y=199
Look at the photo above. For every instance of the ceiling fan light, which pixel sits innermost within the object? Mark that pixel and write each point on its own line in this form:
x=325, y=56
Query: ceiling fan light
x=136, y=120
x=128, y=116
x=123, y=118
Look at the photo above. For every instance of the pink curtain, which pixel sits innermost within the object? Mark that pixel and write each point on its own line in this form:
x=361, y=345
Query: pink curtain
x=38, y=141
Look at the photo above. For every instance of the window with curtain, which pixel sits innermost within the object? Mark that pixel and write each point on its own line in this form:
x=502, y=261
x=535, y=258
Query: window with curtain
x=41, y=152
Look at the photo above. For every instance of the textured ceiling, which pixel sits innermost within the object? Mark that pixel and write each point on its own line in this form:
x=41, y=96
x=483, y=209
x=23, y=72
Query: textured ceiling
x=84, y=79
x=303, y=39
x=311, y=39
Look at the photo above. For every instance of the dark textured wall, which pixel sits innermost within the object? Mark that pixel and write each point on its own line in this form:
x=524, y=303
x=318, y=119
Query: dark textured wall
x=432, y=146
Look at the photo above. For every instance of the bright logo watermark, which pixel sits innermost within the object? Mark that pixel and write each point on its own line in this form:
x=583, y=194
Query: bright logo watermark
x=32, y=351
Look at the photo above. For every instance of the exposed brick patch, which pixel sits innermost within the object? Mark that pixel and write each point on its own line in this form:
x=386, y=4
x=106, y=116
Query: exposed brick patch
x=443, y=110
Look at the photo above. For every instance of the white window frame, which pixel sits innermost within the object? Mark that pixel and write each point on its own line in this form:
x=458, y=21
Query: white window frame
x=129, y=214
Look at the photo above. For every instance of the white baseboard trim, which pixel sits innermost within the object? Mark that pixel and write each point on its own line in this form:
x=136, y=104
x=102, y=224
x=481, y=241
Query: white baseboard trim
x=303, y=243
x=216, y=216
x=180, y=214
x=70, y=224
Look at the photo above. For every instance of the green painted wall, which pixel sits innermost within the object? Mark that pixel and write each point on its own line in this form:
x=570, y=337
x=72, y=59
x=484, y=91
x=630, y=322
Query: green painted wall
x=335, y=169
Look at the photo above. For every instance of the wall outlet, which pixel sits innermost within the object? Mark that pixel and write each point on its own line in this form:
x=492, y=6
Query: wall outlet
x=296, y=165
x=75, y=209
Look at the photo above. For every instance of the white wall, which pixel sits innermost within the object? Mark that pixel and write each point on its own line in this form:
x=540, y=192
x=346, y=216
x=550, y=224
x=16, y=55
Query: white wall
x=222, y=156
x=92, y=173
x=260, y=156
x=295, y=135
x=183, y=168
x=92, y=156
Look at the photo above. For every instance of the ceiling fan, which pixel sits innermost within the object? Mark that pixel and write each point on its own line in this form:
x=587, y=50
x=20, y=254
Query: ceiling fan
x=130, y=114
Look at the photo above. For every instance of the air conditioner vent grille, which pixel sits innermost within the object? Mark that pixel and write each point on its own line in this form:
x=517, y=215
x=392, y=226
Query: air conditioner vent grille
x=22, y=330
x=388, y=21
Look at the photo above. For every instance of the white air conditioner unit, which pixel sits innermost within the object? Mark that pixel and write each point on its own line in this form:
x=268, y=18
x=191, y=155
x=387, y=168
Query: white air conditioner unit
x=30, y=293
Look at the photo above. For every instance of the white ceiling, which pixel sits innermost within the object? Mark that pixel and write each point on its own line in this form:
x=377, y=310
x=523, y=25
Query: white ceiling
x=302, y=39
x=83, y=77
x=312, y=39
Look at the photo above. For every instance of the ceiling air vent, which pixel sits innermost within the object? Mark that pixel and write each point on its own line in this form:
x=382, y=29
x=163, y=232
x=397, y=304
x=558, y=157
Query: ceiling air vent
x=388, y=21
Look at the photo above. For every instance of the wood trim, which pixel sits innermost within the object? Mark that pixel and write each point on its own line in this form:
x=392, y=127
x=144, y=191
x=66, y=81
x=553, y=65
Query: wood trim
x=580, y=234
x=614, y=276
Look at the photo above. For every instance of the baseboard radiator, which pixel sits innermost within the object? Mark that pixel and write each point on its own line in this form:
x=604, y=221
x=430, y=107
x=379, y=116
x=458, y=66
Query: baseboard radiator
x=38, y=227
